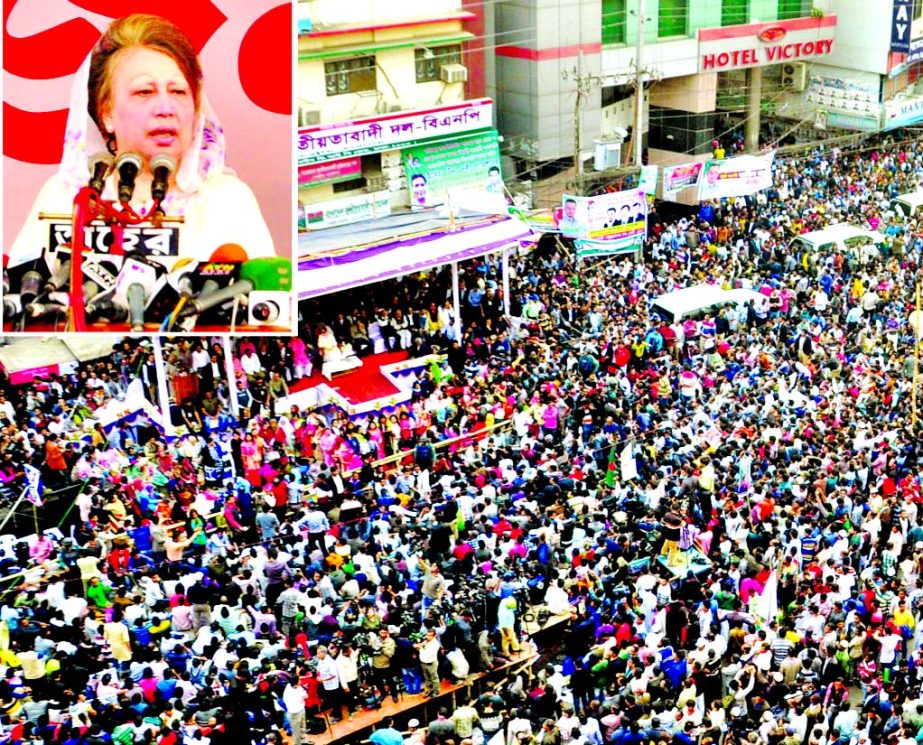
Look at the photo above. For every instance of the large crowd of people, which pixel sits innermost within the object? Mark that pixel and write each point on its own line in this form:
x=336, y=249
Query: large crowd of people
x=722, y=512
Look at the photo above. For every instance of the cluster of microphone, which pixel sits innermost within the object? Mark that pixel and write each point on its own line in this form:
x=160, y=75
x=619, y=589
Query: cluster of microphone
x=139, y=287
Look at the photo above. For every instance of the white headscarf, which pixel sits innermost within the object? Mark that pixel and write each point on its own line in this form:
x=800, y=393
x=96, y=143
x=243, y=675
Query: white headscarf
x=82, y=140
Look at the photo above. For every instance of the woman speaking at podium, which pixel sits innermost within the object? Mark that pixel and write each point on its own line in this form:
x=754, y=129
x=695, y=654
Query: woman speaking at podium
x=141, y=91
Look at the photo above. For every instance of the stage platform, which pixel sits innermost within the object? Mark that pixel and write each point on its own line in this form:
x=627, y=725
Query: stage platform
x=415, y=706
x=383, y=382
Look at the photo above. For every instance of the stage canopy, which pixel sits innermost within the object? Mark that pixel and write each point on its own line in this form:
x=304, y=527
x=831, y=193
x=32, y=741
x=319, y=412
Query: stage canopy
x=355, y=255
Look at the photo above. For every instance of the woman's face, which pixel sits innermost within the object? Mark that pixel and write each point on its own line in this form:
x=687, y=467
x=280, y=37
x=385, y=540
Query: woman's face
x=151, y=108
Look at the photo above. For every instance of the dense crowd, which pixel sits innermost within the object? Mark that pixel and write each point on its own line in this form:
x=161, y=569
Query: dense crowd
x=229, y=584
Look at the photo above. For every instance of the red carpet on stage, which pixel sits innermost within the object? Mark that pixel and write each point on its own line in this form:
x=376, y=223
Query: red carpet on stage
x=358, y=386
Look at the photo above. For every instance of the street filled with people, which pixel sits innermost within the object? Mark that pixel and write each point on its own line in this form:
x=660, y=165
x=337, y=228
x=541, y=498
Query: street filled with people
x=715, y=520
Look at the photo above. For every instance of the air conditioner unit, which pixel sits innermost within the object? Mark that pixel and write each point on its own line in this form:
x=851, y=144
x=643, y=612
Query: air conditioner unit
x=606, y=155
x=794, y=76
x=376, y=182
x=308, y=117
x=453, y=73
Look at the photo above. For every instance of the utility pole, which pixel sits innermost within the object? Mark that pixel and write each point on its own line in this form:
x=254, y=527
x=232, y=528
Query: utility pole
x=639, y=85
x=582, y=90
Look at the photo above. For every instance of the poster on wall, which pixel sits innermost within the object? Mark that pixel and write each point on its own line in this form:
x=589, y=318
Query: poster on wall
x=676, y=178
x=736, y=177
x=606, y=223
x=472, y=162
x=648, y=180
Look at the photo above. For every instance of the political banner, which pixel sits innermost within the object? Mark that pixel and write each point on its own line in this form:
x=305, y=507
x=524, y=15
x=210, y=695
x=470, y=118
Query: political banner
x=472, y=162
x=676, y=178
x=607, y=223
x=648, y=180
x=736, y=177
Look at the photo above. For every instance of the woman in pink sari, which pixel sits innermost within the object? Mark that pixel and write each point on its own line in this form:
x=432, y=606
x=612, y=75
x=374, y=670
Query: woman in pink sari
x=328, y=440
x=377, y=438
x=251, y=454
x=301, y=363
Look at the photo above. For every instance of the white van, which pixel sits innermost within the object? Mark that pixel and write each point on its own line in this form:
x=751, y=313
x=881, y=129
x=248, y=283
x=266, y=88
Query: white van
x=699, y=299
x=854, y=243
x=908, y=204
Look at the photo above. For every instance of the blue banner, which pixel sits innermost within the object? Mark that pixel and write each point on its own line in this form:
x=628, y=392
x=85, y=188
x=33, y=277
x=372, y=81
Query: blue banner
x=900, y=27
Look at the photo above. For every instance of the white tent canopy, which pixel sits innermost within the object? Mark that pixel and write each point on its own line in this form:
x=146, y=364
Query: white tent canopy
x=25, y=359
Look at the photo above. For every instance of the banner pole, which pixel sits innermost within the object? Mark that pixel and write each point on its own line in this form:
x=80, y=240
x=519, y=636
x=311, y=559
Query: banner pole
x=68, y=511
x=13, y=509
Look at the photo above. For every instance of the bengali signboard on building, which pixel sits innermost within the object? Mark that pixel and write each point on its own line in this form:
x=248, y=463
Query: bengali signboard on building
x=903, y=112
x=467, y=162
x=758, y=44
x=330, y=172
x=347, y=210
x=391, y=131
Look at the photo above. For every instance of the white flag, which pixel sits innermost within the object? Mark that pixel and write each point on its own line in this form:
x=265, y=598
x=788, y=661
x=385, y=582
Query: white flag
x=767, y=607
x=628, y=465
x=34, y=486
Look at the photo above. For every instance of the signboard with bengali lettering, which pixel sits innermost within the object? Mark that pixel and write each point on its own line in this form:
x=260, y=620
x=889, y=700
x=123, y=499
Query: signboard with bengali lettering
x=391, y=131
x=346, y=210
x=330, y=172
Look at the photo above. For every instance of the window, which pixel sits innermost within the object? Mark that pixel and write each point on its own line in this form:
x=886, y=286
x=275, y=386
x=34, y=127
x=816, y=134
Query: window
x=733, y=12
x=794, y=9
x=615, y=15
x=917, y=9
x=350, y=75
x=673, y=18
x=430, y=59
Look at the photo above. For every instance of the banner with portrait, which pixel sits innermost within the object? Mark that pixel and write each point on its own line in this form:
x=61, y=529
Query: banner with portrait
x=736, y=177
x=472, y=162
x=676, y=178
x=611, y=222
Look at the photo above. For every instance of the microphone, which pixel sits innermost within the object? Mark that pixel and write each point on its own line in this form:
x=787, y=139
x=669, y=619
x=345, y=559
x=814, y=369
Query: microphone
x=180, y=277
x=30, y=286
x=129, y=166
x=99, y=165
x=100, y=273
x=222, y=268
x=12, y=306
x=264, y=273
x=60, y=276
x=137, y=283
x=56, y=302
x=162, y=167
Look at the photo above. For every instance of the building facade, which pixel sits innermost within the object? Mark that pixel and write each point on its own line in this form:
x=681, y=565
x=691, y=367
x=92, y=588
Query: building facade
x=377, y=81
x=870, y=81
x=700, y=58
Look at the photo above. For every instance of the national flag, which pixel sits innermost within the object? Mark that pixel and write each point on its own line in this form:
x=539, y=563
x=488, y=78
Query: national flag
x=610, y=469
x=34, y=486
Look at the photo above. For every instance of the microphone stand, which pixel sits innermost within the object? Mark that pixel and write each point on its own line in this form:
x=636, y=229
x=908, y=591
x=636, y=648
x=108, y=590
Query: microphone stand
x=89, y=206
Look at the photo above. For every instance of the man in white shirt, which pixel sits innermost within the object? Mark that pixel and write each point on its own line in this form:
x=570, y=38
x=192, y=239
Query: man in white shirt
x=328, y=675
x=293, y=699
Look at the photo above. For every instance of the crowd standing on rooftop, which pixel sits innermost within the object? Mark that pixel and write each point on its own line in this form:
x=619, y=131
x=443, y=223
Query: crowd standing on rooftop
x=227, y=585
